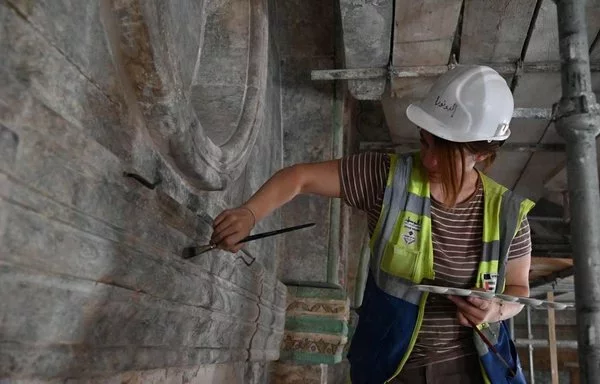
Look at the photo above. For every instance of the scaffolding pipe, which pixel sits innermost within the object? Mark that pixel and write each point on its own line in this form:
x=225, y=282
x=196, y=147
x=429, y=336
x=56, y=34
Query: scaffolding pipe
x=578, y=123
x=410, y=146
x=430, y=71
x=530, y=337
x=566, y=344
x=532, y=113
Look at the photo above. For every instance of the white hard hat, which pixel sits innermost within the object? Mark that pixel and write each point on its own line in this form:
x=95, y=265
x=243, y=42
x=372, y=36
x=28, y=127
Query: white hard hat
x=467, y=103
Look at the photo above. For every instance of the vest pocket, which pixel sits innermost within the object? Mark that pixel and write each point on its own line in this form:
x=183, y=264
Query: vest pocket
x=402, y=261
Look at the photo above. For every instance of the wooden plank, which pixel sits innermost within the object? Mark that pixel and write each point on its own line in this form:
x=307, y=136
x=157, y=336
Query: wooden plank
x=543, y=266
x=552, y=340
x=550, y=264
x=494, y=31
x=424, y=31
x=575, y=376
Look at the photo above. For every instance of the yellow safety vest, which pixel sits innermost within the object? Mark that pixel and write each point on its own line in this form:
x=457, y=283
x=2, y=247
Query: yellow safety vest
x=402, y=256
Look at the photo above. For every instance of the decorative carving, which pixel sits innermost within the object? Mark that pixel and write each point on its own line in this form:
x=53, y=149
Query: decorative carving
x=316, y=326
x=285, y=373
x=157, y=44
x=333, y=308
x=313, y=343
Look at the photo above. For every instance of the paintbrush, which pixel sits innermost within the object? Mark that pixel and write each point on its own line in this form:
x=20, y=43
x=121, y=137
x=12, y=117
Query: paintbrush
x=190, y=252
x=491, y=347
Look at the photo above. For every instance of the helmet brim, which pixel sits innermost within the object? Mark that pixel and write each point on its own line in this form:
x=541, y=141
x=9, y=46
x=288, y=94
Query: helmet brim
x=432, y=125
x=427, y=122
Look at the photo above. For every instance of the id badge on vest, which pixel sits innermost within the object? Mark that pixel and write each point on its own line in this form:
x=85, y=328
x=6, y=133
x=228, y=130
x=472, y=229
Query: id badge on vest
x=489, y=281
x=410, y=231
x=402, y=256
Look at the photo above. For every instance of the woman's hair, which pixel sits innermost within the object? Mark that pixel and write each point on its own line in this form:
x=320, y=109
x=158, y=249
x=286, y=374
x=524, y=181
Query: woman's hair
x=452, y=153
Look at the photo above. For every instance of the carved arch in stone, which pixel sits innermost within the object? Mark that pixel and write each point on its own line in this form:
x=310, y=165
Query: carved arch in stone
x=197, y=71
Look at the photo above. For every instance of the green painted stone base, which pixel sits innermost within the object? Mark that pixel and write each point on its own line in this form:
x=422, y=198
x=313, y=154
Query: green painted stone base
x=316, y=326
x=307, y=358
x=334, y=293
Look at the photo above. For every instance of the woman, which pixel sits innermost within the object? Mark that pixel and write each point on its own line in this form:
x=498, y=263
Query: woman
x=433, y=218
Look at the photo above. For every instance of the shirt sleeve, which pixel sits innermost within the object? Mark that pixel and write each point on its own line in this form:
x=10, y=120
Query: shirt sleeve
x=363, y=179
x=521, y=244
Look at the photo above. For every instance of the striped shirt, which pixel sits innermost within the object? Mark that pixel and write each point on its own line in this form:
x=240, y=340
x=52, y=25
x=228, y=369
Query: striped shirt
x=457, y=246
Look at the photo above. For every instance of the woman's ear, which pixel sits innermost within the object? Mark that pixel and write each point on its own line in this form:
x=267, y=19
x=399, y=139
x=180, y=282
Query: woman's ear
x=480, y=157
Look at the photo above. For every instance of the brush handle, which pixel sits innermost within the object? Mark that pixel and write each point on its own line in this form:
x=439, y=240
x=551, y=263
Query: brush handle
x=190, y=252
x=491, y=347
x=273, y=233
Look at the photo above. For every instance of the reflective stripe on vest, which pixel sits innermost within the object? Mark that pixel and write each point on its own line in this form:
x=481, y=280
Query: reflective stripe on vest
x=394, y=203
x=401, y=244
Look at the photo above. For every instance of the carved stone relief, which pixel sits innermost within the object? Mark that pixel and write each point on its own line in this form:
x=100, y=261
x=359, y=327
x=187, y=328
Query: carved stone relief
x=197, y=73
x=91, y=275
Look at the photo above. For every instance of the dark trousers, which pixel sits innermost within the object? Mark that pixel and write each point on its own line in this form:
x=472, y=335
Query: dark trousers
x=465, y=370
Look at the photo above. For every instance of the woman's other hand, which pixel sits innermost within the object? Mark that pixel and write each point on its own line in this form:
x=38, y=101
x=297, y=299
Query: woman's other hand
x=475, y=309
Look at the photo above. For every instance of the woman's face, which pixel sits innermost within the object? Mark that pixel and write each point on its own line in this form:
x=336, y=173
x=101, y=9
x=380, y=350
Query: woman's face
x=431, y=159
x=428, y=156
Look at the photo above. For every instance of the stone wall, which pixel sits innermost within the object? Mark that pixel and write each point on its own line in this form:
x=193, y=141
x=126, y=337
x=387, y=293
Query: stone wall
x=306, y=41
x=317, y=120
x=125, y=127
